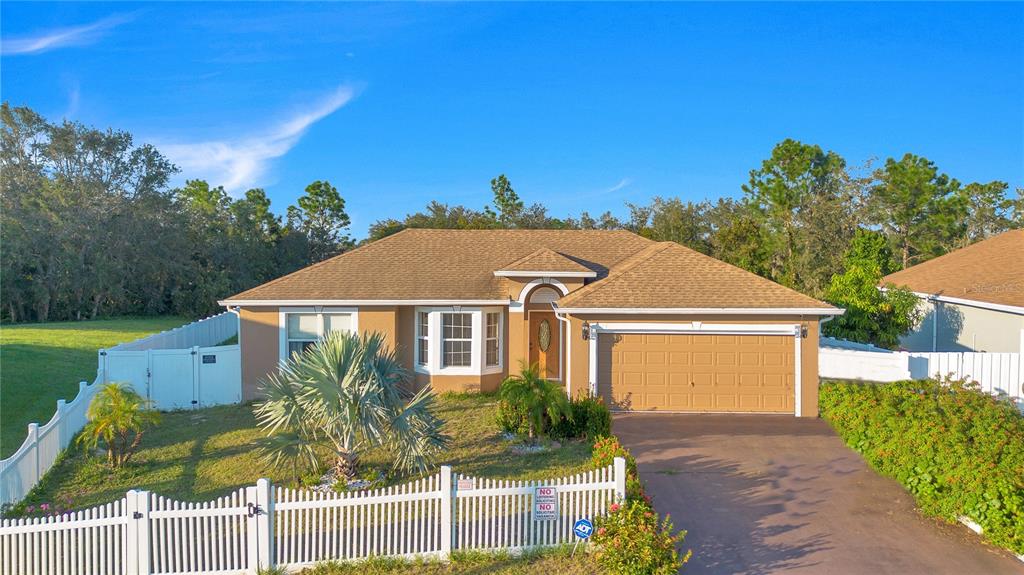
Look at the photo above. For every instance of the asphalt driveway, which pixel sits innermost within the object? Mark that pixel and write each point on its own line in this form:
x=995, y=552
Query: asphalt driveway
x=773, y=494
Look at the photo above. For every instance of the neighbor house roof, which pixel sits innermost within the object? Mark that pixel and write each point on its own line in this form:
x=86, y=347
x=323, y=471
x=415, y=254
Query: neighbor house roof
x=628, y=271
x=990, y=271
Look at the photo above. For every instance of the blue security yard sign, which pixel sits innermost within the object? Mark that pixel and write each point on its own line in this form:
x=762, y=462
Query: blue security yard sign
x=583, y=528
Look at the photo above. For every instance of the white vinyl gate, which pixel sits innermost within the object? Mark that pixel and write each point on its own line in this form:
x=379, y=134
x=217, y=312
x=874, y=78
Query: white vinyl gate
x=178, y=378
x=262, y=526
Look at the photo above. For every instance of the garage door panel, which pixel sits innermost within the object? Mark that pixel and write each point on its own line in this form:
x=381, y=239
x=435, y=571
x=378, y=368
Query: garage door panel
x=669, y=372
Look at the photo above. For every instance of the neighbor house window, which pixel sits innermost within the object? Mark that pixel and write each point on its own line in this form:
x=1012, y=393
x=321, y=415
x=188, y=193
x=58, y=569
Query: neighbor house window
x=491, y=331
x=303, y=331
x=456, y=339
x=422, y=337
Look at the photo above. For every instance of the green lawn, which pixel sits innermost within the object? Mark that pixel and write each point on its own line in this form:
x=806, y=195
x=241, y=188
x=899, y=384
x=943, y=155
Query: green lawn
x=41, y=363
x=202, y=454
x=558, y=560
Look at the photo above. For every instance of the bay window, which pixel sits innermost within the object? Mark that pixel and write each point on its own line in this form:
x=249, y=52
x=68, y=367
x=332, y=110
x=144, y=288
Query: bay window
x=458, y=340
x=492, y=327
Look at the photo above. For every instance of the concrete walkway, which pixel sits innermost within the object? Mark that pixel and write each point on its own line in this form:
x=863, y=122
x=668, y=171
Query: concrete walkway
x=774, y=494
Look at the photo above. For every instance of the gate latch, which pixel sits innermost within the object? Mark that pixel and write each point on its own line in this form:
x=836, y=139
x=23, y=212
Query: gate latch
x=254, y=509
x=136, y=515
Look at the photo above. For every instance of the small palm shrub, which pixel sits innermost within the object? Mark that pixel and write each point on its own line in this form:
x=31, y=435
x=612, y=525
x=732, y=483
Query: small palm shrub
x=630, y=540
x=118, y=418
x=534, y=398
x=958, y=450
x=588, y=418
x=351, y=394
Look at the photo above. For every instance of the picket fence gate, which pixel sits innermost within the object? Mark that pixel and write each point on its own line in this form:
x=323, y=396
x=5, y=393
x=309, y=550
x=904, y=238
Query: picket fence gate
x=262, y=526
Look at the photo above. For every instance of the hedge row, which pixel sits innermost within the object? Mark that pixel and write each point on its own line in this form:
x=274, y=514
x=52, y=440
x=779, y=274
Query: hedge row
x=958, y=450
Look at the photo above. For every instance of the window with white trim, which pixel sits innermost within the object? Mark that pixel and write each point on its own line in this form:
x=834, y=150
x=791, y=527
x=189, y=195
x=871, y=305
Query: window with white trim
x=456, y=339
x=422, y=338
x=492, y=330
x=303, y=331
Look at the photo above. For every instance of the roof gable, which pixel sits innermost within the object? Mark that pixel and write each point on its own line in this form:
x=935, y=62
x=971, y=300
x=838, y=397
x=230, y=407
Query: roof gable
x=990, y=271
x=545, y=261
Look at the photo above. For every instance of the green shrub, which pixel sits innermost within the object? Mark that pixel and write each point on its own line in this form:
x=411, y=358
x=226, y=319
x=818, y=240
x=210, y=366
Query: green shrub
x=536, y=400
x=588, y=418
x=631, y=541
x=958, y=450
x=605, y=450
x=511, y=418
x=118, y=418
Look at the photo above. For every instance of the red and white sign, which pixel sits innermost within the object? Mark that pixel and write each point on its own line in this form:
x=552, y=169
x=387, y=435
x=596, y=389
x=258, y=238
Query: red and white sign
x=465, y=484
x=545, y=503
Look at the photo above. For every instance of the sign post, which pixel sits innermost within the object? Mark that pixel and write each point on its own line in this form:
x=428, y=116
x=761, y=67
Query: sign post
x=583, y=529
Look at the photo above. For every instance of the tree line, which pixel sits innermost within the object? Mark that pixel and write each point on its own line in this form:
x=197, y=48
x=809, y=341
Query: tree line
x=90, y=227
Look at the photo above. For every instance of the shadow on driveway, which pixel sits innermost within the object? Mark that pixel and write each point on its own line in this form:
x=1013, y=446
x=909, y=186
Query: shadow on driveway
x=772, y=494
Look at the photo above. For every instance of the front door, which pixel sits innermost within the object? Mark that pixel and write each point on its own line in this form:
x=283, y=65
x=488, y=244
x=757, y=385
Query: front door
x=545, y=343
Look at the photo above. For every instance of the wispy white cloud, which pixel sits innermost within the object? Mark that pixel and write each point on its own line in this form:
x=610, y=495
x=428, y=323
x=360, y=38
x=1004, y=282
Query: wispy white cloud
x=61, y=37
x=239, y=163
x=624, y=182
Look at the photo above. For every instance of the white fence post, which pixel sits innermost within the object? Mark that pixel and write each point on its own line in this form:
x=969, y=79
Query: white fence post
x=33, y=437
x=131, y=533
x=144, y=541
x=619, y=469
x=447, y=505
x=265, y=523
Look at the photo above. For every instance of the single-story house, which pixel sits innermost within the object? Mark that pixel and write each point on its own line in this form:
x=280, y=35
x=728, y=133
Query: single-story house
x=972, y=299
x=647, y=325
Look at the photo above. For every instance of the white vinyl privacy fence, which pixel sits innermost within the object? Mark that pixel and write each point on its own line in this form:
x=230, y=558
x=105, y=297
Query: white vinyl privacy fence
x=197, y=374
x=207, y=332
x=996, y=373
x=21, y=471
x=262, y=526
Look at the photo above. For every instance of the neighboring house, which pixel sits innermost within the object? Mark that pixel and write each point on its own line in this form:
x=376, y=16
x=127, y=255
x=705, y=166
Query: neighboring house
x=972, y=299
x=647, y=325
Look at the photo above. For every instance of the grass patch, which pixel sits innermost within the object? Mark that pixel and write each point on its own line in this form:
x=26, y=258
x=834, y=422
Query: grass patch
x=556, y=560
x=202, y=454
x=41, y=363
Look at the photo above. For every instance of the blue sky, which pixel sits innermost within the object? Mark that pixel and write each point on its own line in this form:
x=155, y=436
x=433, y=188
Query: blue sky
x=583, y=106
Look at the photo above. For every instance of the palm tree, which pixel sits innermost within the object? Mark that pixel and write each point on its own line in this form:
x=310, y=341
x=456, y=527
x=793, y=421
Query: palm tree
x=119, y=417
x=351, y=393
x=535, y=396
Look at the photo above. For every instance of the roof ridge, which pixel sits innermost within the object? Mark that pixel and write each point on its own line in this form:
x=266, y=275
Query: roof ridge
x=624, y=266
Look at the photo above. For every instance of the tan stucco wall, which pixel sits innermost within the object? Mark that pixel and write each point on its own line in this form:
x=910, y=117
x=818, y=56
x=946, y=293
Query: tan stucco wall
x=460, y=383
x=579, y=364
x=965, y=328
x=383, y=320
x=258, y=337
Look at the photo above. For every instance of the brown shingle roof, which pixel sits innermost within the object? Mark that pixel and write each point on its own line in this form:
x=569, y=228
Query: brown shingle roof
x=441, y=264
x=545, y=260
x=989, y=271
x=668, y=275
x=632, y=272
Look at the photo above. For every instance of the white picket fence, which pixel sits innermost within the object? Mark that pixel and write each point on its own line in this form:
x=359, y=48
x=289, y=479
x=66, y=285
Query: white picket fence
x=263, y=525
x=197, y=375
x=22, y=470
x=207, y=332
x=996, y=373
